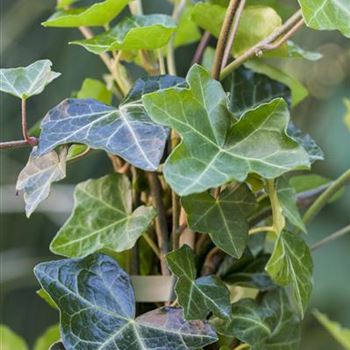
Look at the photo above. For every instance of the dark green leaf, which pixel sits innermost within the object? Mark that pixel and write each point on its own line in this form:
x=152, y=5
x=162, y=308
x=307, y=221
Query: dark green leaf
x=102, y=218
x=327, y=14
x=223, y=218
x=133, y=33
x=291, y=264
x=126, y=131
x=95, y=89
x=98, y=14
x=57, y=346
x=212, y=151
x=97, y=306
x=287, y=199
x=24, y=82
x=199, y=296
x=37, y=176
x=268, y=325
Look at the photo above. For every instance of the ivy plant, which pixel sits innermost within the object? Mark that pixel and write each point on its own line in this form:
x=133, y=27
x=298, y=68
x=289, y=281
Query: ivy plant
x=211, y=188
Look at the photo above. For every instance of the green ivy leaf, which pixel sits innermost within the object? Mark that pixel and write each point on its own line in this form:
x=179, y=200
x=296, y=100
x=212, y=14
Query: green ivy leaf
x=187, y=31
x=37, y=176
x=126, y=131
x=291, y=264
x=267, y=325
x=148, y=32
x=287, y=198
x=211, y=17
x=93, y=88
x=24, y=82
x=95, y=295
x=212, y=151
x=10, y=340
x=98, y=14
x=104, y=206
x=327, y=14
x=295, y=51
x=50, y=336
x=341, y=334
x=199, y=296
x=223, y=218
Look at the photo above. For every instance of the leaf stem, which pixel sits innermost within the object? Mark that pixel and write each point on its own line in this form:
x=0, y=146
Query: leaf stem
x=261, y=229
x=281, y=35
x=162, y=69
x=323, y=199
x=223, y=37
x=332, y=237
x=161, y=222
x=233, y=33
x=14, y=144
x=277, y=216
x=201, y=47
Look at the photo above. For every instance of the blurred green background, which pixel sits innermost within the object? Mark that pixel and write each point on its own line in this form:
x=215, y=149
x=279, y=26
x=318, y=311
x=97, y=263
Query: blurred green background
x=25, y=242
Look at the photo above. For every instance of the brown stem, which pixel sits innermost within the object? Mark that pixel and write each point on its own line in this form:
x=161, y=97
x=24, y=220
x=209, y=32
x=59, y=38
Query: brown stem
x=233, y=33
x=15, y=144
x=342, y=232
x=201, y=48
x=281, y=34
x=161, y=222
x=224, y=34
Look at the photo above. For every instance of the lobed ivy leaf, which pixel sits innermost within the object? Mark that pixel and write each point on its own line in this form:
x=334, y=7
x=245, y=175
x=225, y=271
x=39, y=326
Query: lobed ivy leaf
x=24, y=82
x=51, y=335
x=267, y=325
x=341, y=334
x=10, y=340
x=97, y=308
x=249, y=89
x=199, y=296
x=148, y=32
x=223, y=218
x=211, y=17
x=126, y=131
x=102, y=218
x=98, y=14
x=287, y=198
x=36, y=178
x=93, y=88
x=327, y=15
x=212, y=151
x=291, y=264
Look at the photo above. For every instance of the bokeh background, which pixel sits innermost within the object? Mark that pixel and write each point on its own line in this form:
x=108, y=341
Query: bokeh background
x=25, y=242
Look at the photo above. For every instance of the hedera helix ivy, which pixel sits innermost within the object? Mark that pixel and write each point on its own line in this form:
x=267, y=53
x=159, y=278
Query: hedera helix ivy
x=209, y=177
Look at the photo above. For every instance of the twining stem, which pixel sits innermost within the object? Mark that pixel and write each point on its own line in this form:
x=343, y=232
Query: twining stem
x=233, y=33
x=14, y=144
x=324, y=198
x=332, y=237
x=223, y=37
x=161, y=222
x=201, y=47
x=277, y=216
x=272, y=42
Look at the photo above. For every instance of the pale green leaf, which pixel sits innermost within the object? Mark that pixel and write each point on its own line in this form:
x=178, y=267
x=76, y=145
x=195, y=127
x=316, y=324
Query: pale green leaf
x=95, y=89
x=187, y=30
x=295, y=51
x=341, y=334
x=210, y=17
x=199, y=296
x=77, y=151
x=98, y=14
x=299, y=91
x=212, y=151
x=291, y=264
x=327, y=14
x=147, y=32
x=287, y=198
x=10, y=340
x=266, y=325
x=223, y=218
x=51, y=335
x=46, y=297
x=102, y=218
x=37, y=176
x=347, y=112
x=24, y=82
x=97, y=305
